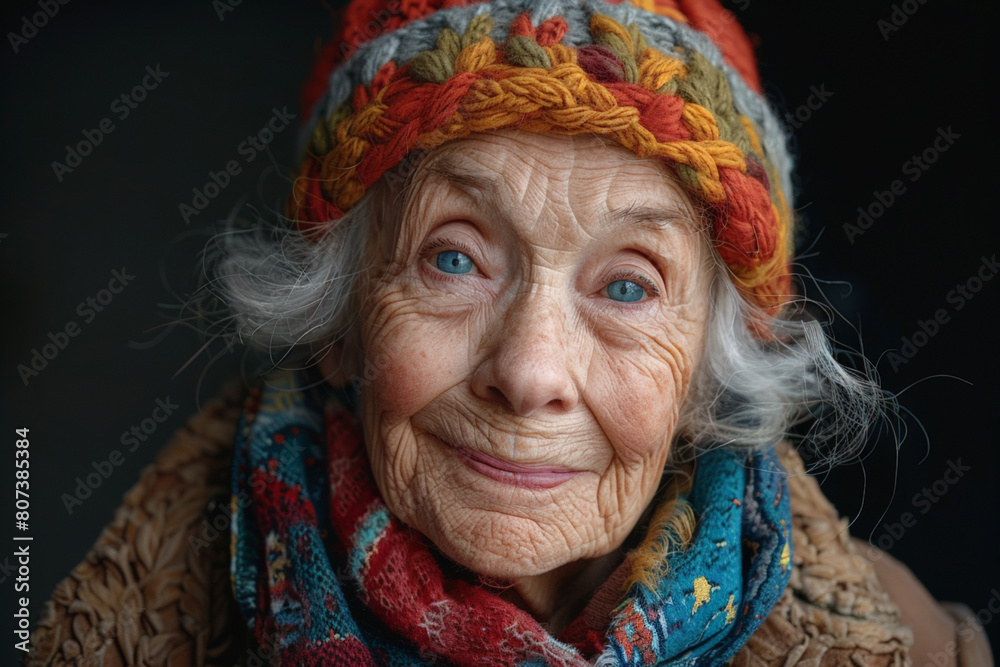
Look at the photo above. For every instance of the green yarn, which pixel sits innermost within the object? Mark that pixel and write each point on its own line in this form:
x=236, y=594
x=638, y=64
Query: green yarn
x=321, y=141
x=523, y=51
x=438, y=65
x=670, y=87
x=639, y=45
x=688, y=177
x=448, y=43
x=617, y=46
x=434, y=66
x=707, y=86
x=478, y=28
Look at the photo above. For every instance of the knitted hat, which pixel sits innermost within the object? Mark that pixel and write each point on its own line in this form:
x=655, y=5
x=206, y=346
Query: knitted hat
x=670, y=79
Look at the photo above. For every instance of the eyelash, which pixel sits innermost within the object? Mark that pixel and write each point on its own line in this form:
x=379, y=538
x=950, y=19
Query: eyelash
x=624, y=274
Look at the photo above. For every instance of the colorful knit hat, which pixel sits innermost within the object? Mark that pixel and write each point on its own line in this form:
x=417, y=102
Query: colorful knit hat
x=672, y=79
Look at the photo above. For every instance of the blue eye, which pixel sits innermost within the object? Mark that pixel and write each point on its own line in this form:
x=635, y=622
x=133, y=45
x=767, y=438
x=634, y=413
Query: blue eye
x=625, y=291
x=453, y=261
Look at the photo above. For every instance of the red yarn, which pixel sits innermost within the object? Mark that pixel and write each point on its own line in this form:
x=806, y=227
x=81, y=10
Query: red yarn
x=600, y=63
x=660, y=114
x=745, y=230
x=416, y=109
x=382, y=78
x=552, y=31
x=549, y=33
x=522, y=26
x=344, y=652
x=282, y=495
x=357, y=23
x=318, y=79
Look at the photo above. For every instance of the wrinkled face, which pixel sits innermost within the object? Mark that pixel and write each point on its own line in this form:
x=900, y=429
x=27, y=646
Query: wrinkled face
x=535, y=328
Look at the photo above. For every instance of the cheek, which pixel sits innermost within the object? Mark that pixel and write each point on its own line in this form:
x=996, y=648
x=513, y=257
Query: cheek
x=418, y=357
x=638, y=397
x=637, y=409
x=409, y=374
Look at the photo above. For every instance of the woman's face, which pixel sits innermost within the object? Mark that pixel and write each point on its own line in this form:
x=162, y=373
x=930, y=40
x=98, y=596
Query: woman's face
x=535, y=329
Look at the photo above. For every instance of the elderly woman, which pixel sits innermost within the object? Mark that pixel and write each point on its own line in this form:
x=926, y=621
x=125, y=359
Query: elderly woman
x=536, y=270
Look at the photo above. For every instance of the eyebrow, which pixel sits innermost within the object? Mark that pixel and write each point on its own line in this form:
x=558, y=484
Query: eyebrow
x=475, y=182
x=658, y=217
x=488, y=186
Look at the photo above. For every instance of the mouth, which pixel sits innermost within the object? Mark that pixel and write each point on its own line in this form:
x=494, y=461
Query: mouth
x=515, y=474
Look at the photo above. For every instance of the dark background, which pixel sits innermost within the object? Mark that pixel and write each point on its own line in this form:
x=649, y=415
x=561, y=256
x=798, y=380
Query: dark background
x=887, y=100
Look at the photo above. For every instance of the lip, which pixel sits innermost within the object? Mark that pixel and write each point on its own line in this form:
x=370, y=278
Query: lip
x=515, y=474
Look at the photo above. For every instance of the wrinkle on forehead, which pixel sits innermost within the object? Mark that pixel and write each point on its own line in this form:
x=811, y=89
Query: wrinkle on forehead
x=596, y=183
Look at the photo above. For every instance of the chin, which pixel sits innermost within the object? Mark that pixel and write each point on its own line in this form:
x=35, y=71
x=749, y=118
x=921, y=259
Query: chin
x=523, y=548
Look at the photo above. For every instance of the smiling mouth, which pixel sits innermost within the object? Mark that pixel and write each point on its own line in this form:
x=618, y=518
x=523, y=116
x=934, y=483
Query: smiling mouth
x=515, y=474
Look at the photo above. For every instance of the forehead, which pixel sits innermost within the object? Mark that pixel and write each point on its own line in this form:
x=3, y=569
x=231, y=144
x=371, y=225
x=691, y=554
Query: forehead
x=558, y=179
x=511, y=167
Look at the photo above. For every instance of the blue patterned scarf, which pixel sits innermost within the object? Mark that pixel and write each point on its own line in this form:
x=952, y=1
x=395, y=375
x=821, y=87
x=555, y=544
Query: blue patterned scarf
x=324, y=573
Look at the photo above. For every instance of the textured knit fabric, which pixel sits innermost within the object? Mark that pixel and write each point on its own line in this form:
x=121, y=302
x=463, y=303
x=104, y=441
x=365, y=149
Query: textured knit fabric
x=155, y=587
x=673, y=81
x=373, y=592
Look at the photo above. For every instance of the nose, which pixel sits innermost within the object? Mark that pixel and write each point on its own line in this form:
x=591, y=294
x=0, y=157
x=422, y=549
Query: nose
x=528, y=365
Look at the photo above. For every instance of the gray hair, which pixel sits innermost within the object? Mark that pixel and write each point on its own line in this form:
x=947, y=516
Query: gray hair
x=294, y=297
x=749, y=392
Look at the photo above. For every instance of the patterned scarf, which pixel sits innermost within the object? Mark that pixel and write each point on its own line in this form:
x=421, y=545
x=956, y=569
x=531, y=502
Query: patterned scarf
x=327, y=576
